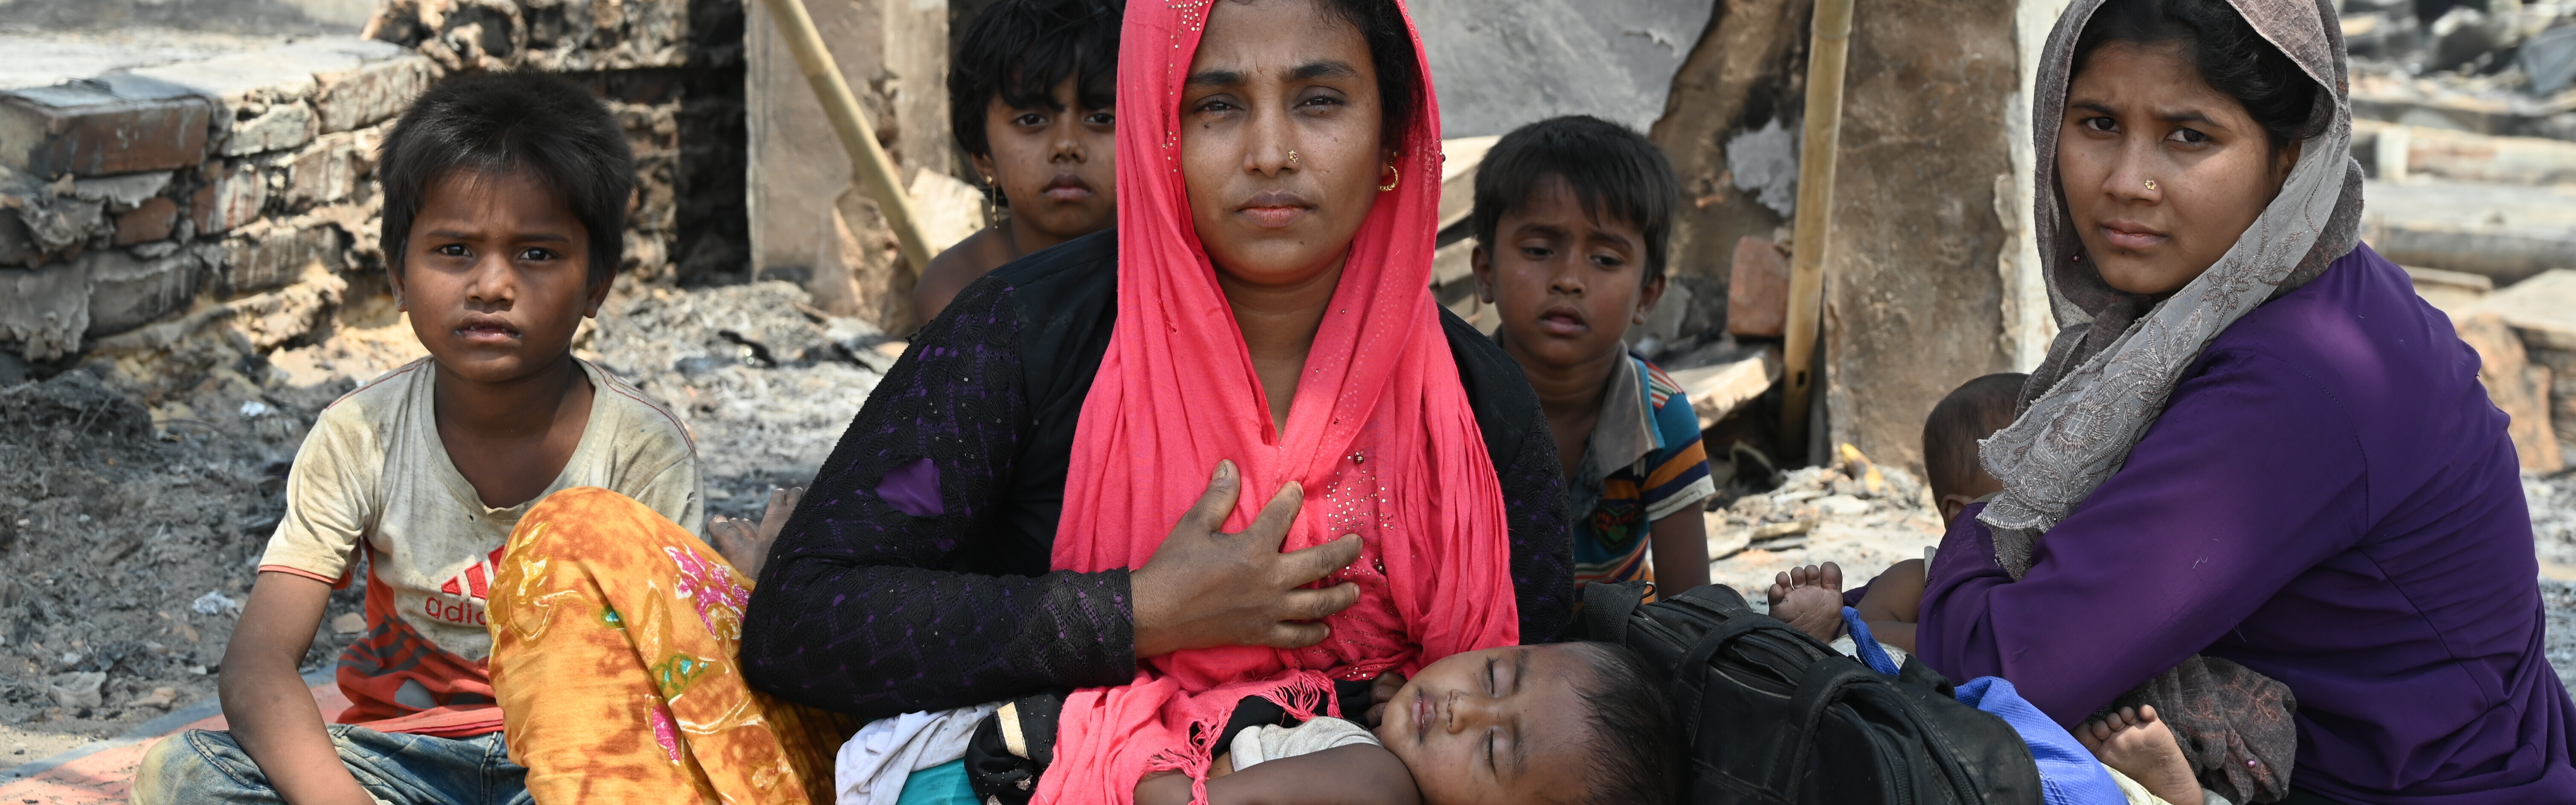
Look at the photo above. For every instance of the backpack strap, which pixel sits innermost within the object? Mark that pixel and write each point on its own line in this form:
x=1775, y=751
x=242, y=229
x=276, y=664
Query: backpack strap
x=1606, y=607
x=1821, y=686
x=1687, y=682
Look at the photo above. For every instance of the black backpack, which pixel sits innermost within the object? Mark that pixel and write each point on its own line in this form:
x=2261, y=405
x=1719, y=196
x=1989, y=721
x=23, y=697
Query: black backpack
x=1772, y=716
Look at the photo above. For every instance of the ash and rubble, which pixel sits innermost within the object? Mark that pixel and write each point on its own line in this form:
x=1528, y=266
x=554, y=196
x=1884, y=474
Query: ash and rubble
x=1853, y=513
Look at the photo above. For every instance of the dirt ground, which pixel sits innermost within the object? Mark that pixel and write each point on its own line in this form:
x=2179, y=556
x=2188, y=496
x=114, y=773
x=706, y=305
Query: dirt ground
x=137, y=493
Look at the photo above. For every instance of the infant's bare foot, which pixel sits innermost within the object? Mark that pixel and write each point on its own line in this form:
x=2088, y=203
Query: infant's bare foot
x=2139, y=744
x=1811, y=599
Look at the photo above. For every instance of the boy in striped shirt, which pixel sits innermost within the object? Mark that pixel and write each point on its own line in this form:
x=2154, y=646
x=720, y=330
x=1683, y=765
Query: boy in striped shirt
x=1572, y=219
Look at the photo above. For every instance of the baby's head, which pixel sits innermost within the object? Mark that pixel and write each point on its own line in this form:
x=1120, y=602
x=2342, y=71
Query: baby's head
x=505, y=199
x=1973, y=412
x=1568, y=722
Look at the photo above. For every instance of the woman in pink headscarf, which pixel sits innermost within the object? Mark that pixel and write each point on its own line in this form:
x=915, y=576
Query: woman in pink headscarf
x=1026, y=504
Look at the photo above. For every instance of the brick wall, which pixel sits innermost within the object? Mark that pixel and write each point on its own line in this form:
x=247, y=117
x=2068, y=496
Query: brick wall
x=242, y=184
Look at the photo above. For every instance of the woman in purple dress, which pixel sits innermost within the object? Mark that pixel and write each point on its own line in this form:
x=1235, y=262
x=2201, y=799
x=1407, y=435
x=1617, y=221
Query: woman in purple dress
x=2251, y=440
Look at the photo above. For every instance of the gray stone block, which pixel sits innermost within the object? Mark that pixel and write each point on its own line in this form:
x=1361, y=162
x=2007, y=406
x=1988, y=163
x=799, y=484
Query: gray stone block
x=270, y=254
x=45, y=310
x=122, y=193
x=17, y=245
x=111, y=124
x=61, y=223
x=241, y=78
x=126, y=292
x=373, y=92
x=275, y=128
x=262, y=92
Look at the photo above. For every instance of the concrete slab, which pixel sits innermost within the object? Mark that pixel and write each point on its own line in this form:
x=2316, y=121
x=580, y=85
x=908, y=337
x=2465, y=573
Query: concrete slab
x=2542, y=309
x=1499, y=64
x=2504, y=232
x=34, y=58
x=2451, y=292
x=1717, y=391
x=2460, y=156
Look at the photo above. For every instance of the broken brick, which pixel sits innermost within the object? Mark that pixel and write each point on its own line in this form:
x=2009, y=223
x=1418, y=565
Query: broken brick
x=115, y=123
x=327, y=172
x=1757, y=296
x=233, y=199
x=150, y=222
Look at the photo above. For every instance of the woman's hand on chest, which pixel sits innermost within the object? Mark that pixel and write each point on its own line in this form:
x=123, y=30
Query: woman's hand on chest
x=1205, y=588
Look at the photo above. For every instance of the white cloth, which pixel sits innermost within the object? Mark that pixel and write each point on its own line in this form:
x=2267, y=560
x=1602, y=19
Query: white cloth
x=1266, y=743
x=872, y=766
x=2131, y=791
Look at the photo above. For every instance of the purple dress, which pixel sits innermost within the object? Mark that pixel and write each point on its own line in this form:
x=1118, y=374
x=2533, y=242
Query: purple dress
x=2329, y=500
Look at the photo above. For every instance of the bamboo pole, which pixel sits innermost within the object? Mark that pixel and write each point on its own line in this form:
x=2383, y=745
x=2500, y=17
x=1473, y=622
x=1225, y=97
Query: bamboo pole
x=1827, y=51
x=876, y=172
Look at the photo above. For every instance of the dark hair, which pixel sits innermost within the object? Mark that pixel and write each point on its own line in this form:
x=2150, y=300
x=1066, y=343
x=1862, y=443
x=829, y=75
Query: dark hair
x=1021, y=49
x=1636, y=738
x=498, y=123
x=1613, y=170
x=2230, y=55
x=1399, y=68
x=1974, y=411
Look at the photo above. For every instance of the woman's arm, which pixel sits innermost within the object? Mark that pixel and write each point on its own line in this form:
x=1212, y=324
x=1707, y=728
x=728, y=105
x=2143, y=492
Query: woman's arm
x=859, y=608
x=2253, y=476
x=1542, y=549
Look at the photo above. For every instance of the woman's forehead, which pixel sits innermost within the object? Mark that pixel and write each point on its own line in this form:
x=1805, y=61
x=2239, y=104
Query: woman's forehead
x=1284, y=39
x=2154, y=79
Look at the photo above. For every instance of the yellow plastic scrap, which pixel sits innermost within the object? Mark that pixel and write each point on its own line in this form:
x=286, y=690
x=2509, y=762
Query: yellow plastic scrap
x=1859, y=466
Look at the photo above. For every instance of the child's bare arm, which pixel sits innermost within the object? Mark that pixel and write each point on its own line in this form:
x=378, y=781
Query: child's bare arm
x=1353, y=775
x=1896, y=595
x=272, y=713
x=1895, y=633
x=1680, y=546
x=746, y=546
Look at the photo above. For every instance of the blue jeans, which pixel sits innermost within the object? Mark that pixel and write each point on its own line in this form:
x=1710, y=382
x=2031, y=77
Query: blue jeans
x=198, y=766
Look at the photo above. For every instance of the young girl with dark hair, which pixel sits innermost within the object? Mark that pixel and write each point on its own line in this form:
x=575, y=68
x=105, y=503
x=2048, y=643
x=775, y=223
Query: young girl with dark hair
x=2251, y=440
x=1030, y=101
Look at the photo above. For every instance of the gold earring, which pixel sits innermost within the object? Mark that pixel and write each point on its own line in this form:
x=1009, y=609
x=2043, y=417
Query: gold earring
x=2151, y=185
x=1390, y=183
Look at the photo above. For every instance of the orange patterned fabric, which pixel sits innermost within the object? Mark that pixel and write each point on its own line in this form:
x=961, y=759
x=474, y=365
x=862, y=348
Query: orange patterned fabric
x=614, y=633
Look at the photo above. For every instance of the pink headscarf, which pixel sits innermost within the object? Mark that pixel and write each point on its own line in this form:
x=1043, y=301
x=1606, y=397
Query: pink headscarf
x=1380, y=434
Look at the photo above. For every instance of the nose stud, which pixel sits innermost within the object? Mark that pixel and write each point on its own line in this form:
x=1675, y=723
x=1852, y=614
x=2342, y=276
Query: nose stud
x=2151, y=185
x=1292, y=157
